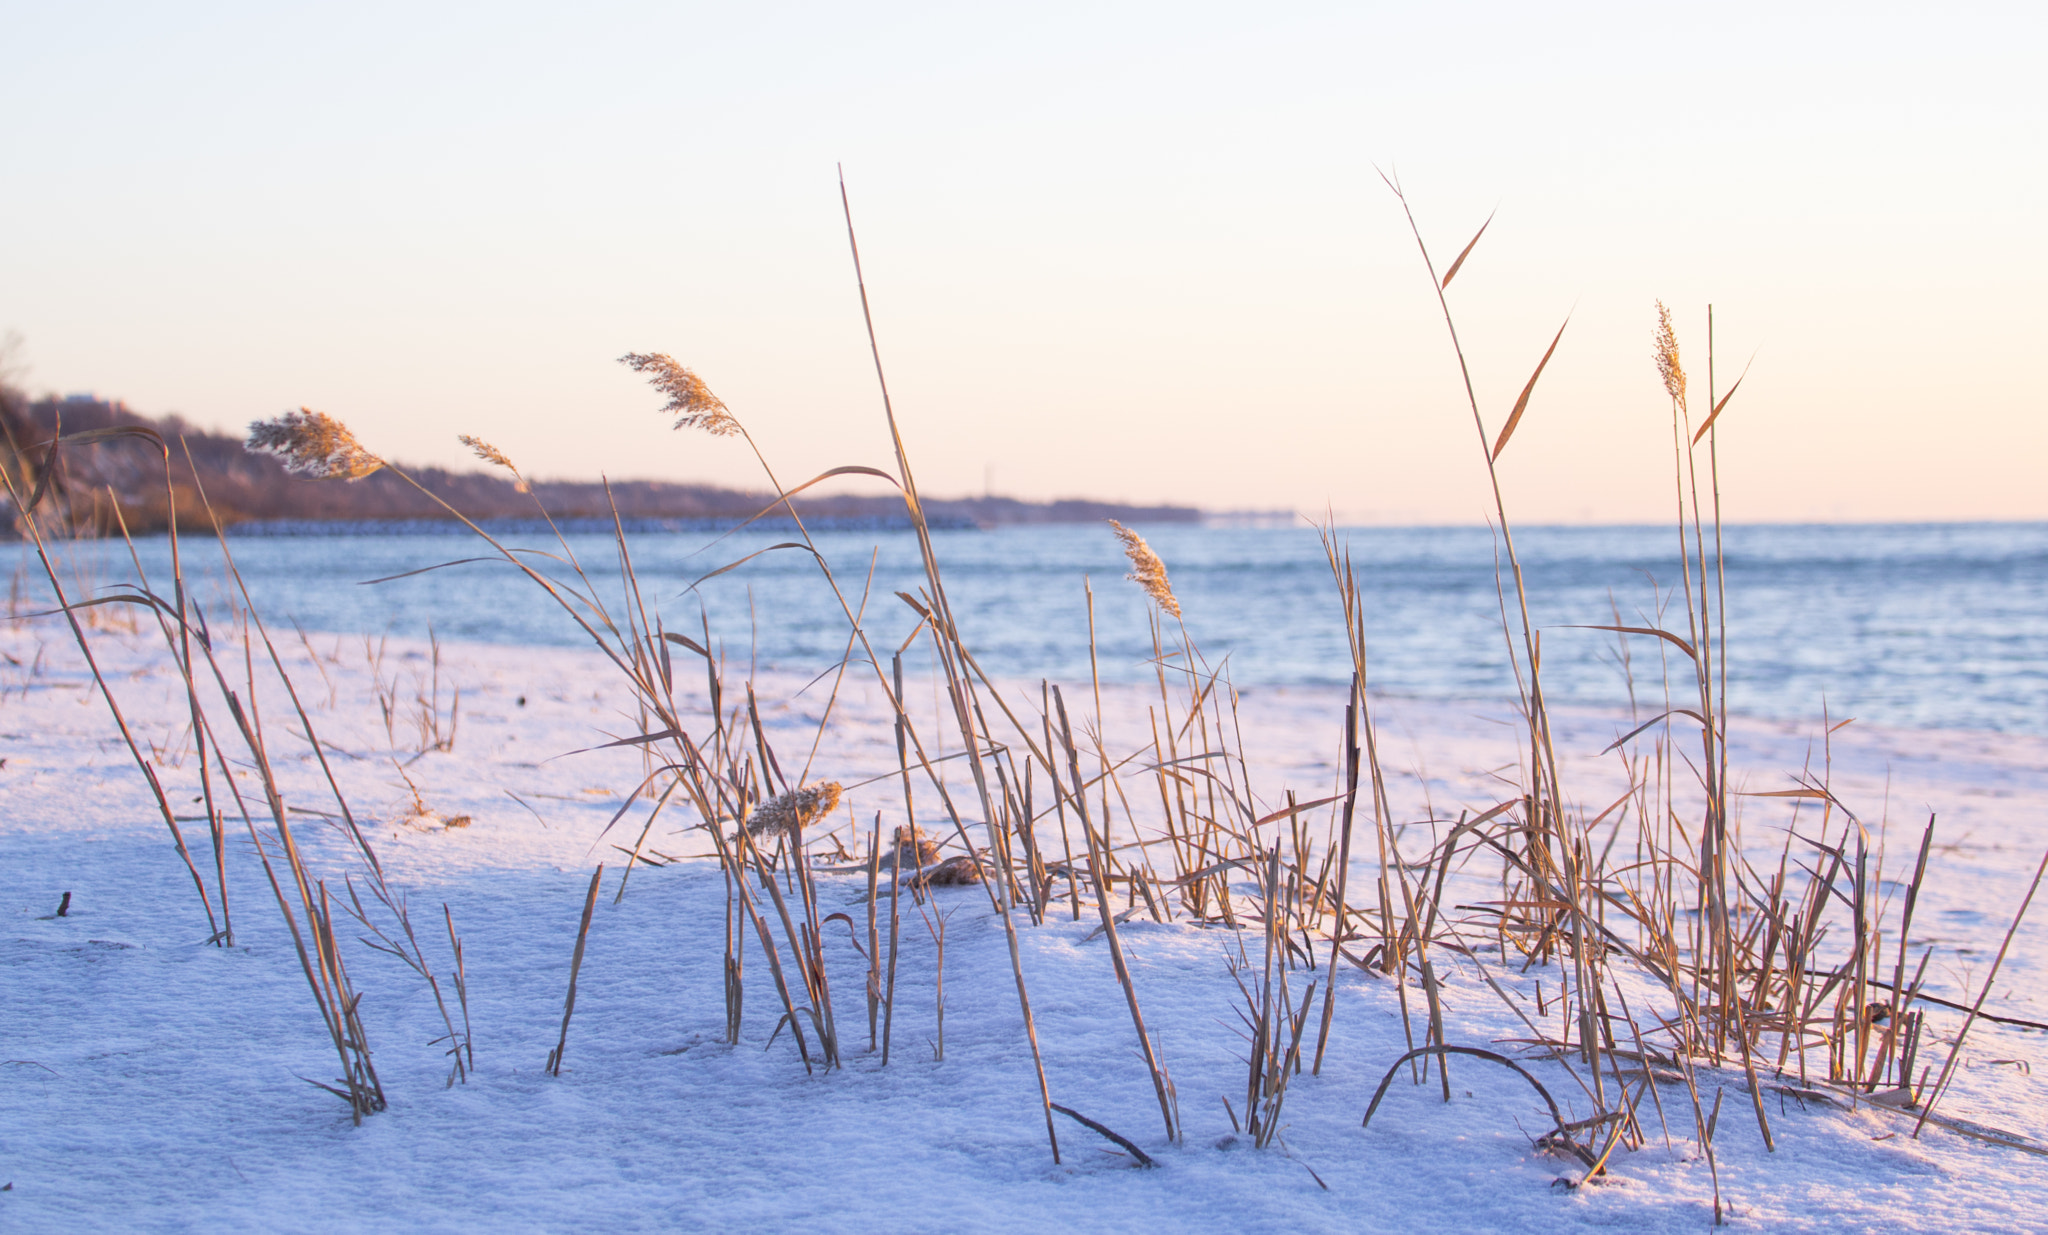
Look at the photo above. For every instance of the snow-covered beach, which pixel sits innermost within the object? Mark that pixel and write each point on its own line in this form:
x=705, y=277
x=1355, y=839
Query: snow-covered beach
x=1108, y=617
x=151, y=1081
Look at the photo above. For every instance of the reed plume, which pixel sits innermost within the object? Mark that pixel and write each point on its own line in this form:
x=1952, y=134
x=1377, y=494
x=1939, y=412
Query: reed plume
x=487, y=452
x=1668, y=366
x=313, y=444
x=1147, y=571
x=696, y=407
x=801, y=807
x=491, y=454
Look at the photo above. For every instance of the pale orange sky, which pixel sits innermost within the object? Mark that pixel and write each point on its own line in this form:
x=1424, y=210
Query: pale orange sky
x=1127, y=251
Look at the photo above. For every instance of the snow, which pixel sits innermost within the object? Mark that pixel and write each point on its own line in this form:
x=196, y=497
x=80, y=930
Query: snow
x=149, y=1081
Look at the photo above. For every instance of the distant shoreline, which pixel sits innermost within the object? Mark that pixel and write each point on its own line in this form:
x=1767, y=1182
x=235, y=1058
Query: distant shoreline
x=103, y=487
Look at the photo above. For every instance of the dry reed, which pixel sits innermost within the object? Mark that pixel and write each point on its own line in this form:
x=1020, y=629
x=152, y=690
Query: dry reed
x=313, y=444
x=688, y=397
x=1147, y=571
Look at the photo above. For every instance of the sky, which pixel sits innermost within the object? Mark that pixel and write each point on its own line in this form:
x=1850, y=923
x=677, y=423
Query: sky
x=1138, y=252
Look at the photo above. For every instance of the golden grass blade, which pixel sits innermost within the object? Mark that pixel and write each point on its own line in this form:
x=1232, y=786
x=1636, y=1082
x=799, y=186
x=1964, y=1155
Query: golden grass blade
x=1716, y=413
x=851, y=469
x=84, y=436
x=1522, y=404
x=638, y=739
x=1285, y=811
x=687, y=642
x=1343, y=856
x=44, y=474
x=1143, y=1159
x=729, y=566
x=75, y=606
x=1665, y=635
x=1646, y=724
x=461, y=561
x=1474, y=1052
x=1466, y=252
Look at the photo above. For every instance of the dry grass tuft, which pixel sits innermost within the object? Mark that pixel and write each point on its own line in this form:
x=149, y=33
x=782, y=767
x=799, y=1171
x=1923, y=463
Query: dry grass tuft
x=313, y=444
x=801, y=807
x=1147, y=571
x=696, y=407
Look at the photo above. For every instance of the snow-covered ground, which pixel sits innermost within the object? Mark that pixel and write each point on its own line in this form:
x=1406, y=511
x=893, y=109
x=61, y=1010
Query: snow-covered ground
x=148, y=1080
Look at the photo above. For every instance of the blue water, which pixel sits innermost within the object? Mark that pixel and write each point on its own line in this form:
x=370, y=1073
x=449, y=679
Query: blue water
x=1933, y=625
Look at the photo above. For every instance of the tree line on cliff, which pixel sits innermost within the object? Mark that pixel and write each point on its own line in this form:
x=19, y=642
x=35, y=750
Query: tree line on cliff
x=95, y=488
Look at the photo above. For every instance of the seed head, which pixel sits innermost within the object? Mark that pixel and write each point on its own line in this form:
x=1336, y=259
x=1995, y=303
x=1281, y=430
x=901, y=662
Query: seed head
x=491, y=454
x=692, y=401
x=487, y=452
x=801, y=807
x=1668, y=367
x=1147, y=571
x=313, y=444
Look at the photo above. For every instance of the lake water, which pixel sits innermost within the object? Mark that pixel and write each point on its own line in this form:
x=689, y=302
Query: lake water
x=1935, y=625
